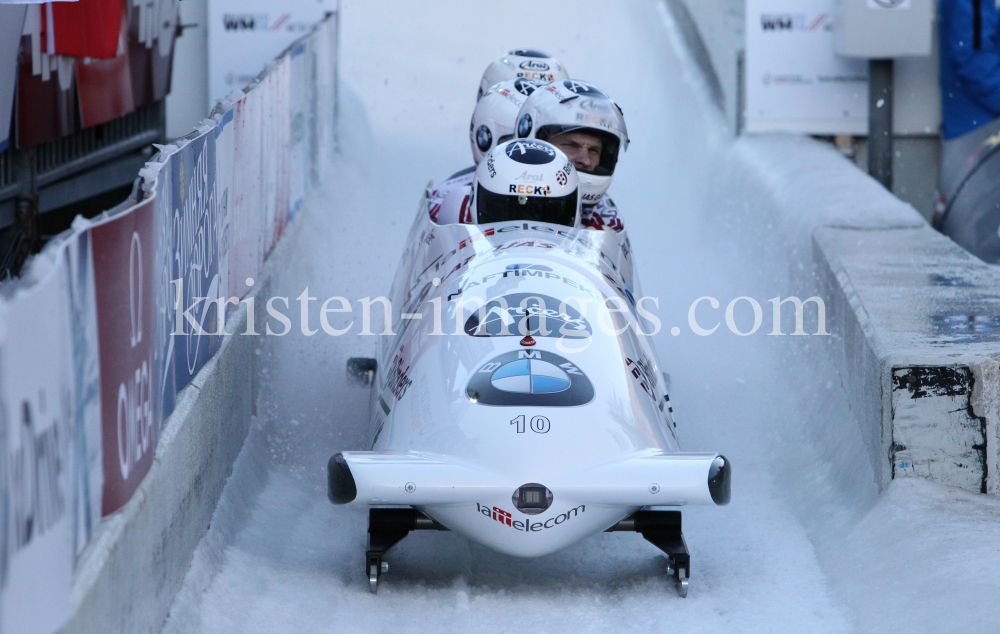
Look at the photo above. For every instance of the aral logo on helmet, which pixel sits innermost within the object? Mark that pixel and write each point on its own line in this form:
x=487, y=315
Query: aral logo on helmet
x=582, y=88
x=530, y=377
x=520, y=314
x=530, y=152
x=530, y=64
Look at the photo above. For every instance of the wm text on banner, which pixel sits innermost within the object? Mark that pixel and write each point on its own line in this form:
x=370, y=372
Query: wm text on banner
x=36, y=556
x=124, y=273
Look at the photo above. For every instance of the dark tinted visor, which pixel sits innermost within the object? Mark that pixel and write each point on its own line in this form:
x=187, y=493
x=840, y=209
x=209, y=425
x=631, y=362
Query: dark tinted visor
x=558, y=210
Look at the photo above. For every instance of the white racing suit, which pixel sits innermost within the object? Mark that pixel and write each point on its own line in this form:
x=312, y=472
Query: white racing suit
x=450, y=204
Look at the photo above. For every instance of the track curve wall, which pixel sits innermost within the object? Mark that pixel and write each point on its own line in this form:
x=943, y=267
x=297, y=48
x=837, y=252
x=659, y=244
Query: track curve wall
x=127, y=384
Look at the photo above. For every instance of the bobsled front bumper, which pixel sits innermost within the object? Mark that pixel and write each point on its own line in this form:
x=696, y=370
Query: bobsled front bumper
x=647, y=478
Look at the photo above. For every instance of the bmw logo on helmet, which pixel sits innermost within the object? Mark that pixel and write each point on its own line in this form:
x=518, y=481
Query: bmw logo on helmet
x=484, y=138
x=524, y=126
x=530, y=377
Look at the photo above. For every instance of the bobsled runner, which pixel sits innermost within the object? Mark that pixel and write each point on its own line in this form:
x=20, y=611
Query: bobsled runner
x=507, y=406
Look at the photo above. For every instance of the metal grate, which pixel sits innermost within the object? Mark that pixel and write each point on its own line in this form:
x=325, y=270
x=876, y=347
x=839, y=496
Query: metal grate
x=8, y=170
x=81, y=151
x=51, y=155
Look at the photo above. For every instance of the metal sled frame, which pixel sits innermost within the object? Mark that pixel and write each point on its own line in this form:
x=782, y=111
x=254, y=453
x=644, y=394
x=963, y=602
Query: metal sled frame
x=388, y=526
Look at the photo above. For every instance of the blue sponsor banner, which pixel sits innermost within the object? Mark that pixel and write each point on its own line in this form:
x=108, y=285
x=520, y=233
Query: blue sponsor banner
x=197, y=248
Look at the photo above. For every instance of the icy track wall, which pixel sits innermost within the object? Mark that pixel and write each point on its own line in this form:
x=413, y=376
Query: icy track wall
x=120, y=417
x=916, y=337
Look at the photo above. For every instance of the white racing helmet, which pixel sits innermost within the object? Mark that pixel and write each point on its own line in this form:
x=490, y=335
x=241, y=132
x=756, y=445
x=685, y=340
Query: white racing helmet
x=495, y=114
x=526, y=180
x=572, y=105
x=522, y=64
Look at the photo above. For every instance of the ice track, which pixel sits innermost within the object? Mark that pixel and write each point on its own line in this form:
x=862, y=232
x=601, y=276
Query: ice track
x=280, y=558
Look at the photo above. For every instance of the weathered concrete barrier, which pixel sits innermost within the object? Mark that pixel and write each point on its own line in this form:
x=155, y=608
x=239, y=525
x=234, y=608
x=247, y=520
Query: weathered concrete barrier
x=924, y=314
x=916, y=319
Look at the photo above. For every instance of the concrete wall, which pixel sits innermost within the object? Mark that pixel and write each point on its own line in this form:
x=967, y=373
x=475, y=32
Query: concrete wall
x=916, y=338
x=919, y=312
x=133, y=567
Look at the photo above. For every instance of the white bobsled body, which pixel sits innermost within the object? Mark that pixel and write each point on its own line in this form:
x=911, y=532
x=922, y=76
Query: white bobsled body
x=464, y=413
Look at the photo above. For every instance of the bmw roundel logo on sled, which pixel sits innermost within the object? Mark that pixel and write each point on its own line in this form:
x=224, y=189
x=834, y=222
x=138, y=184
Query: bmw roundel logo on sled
x=484, y=138
x=521, y=314
x=530, y=377
x=530, y=152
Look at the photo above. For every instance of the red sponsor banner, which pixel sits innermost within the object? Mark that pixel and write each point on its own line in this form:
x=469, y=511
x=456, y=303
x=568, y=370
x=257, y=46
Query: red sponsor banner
x=124, y=279
x=87, y=28
x=46, y=94
x=105, y=85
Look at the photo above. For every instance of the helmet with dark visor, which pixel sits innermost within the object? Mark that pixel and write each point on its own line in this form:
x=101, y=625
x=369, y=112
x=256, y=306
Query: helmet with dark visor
x=559, y=210
x=609, y=144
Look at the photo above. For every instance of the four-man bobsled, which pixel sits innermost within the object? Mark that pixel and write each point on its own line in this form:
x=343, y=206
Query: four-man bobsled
x=511, y=409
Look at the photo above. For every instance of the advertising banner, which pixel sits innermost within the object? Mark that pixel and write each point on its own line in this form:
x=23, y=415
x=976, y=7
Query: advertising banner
x=198, y=225
x=246, y=256
x=267, y=161
x=88, y=472
x=225, y=152
x=275, y=130
x=122, y=313
x=244, y=35
x=123, y=271
x=794, y=81
x=87, y=28
x=163, y=345
x=302, y=131
x=106, y=84
x=36, y=394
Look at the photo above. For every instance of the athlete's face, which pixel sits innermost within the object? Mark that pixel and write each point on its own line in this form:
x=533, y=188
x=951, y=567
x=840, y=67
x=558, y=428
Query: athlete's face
x=582, y=149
